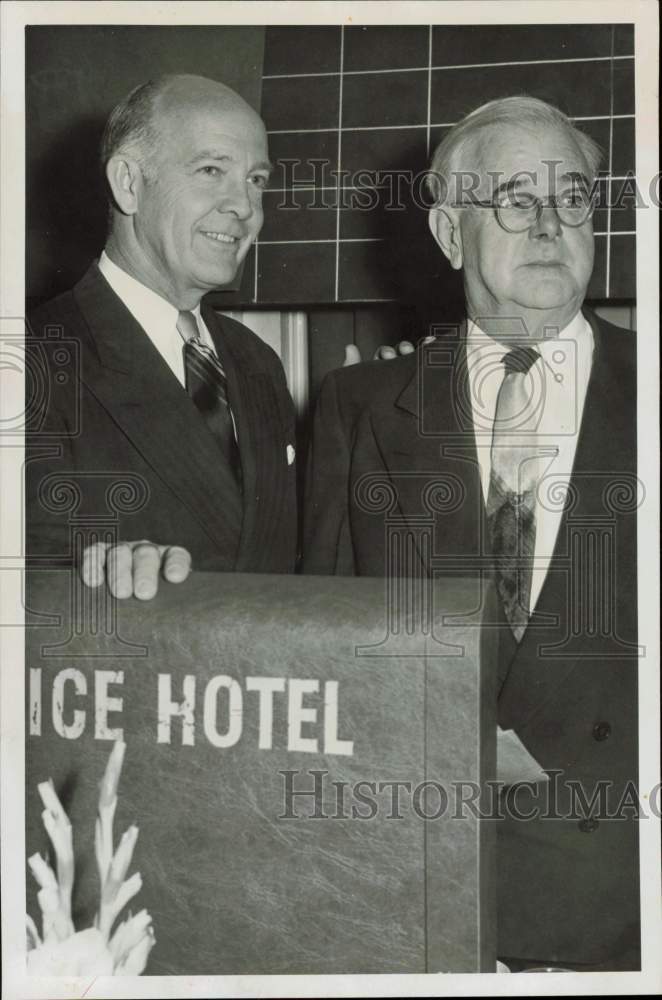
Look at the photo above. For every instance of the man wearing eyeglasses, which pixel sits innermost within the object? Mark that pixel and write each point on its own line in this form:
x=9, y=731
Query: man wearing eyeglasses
x=510, y=444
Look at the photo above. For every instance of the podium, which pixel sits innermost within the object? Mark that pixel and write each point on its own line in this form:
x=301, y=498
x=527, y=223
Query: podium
x=307, y=766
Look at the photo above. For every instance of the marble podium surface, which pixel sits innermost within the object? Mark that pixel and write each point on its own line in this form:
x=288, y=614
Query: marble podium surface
x=298, y=751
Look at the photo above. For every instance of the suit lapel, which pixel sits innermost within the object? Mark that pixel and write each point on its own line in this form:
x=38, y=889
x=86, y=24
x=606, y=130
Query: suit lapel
x=428, y=446
x=428, y=433
x=145, y=399
x=259, y=419
x=604, y=449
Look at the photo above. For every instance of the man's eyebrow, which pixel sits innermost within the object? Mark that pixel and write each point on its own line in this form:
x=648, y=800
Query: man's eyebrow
x=210, y=154
x=577, y=175
x=574, y=176
x=216, y=154
x=509, y=186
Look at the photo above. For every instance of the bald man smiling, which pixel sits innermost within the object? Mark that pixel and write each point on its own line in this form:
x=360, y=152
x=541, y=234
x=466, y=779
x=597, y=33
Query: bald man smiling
x=186, y=408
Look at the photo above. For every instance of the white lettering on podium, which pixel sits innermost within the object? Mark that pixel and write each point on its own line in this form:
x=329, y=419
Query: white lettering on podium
x=35, y=701
x=223, y=721
x=105, y=703
x=297, y=715
x=169, y=708
x=235, y=712
x=76, y=727
x=266, y=688
x=331, y=742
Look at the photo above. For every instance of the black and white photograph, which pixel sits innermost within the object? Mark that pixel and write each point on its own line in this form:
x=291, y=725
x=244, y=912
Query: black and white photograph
x=329, y=535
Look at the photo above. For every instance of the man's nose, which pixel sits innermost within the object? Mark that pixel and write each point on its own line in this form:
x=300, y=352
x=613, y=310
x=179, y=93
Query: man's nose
x=236, y=199
x=548, y=224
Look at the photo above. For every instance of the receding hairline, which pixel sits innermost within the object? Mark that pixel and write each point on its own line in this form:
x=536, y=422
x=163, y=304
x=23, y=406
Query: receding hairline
x=137, y=122
x=175, y=91
x=520, y=112
x=475, y=145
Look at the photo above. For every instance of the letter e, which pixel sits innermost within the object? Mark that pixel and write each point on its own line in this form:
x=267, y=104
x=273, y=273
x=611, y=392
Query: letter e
x=104, y=703
x=297, y=715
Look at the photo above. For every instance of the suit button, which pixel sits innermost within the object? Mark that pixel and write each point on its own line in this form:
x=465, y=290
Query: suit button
x=588, y=825
x=601, y=731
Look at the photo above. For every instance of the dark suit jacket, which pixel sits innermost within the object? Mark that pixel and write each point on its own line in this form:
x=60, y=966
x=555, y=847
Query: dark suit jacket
x=116, y=447
x=387, y=432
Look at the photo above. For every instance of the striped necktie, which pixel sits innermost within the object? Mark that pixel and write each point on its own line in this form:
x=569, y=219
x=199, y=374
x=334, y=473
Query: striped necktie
x=206, y=384
x=514, y=477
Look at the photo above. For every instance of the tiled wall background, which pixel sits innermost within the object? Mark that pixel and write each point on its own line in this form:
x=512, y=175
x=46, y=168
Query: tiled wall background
x=381, y=98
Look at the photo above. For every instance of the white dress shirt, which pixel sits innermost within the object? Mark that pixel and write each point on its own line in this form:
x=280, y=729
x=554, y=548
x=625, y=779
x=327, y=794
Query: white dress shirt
x=154, y=314
x=560, y=377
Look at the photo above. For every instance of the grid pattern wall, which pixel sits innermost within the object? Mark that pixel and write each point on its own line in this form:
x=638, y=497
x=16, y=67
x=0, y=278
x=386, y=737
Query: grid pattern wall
x=344, y=105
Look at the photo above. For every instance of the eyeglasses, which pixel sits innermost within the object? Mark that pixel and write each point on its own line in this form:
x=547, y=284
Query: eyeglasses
x=517, y=211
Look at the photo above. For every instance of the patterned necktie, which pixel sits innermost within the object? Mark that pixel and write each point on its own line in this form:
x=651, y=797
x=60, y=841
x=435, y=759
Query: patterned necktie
x=513, y=481
x=206, y=384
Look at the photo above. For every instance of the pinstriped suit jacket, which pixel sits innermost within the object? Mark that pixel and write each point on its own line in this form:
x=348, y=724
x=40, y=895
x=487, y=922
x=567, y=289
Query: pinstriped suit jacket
x=111, y=420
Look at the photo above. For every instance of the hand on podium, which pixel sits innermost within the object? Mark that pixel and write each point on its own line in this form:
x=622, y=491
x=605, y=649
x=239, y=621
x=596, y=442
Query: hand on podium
x=133, y=569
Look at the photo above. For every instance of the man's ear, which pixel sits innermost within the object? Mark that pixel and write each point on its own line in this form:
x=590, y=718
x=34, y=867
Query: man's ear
x=446, y=231
x=125, y=179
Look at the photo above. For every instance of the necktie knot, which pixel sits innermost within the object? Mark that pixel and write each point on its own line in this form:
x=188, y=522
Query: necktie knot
x=206, y=384
x=519, y=360
x=187, y=325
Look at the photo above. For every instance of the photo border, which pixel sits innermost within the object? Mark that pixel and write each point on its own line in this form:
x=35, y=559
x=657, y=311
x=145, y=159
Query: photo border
x=15, y=16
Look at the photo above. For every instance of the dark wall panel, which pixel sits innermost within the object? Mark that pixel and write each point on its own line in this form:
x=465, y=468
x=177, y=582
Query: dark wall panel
x=379, y=99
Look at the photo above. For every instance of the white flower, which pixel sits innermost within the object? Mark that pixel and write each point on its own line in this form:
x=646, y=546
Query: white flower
x=83, y=954
x=63, y=951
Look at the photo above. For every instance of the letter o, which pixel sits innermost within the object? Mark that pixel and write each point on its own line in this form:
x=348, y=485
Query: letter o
x=235, y=711
x=418, y=794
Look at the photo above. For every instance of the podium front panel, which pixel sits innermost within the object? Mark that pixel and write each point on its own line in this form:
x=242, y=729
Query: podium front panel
x=294, y=751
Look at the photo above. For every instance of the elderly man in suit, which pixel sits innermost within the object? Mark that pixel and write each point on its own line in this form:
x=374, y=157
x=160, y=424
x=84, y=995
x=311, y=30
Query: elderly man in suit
x=510, y=444
x=178, y=418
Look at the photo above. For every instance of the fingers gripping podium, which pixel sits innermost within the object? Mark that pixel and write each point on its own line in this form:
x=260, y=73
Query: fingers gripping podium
x=304, y=805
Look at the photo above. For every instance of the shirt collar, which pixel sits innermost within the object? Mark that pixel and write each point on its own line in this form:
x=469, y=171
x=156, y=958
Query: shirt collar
x=150, y=309
x=578, y=330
